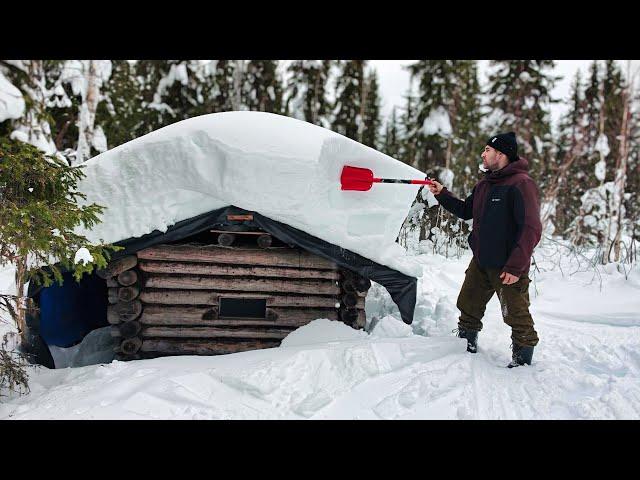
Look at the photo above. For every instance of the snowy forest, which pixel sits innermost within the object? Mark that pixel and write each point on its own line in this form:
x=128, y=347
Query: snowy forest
x=587, y=169
x=55, y=115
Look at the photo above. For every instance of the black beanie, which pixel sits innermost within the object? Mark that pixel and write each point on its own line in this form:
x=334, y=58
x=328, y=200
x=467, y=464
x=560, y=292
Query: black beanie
x=505, y=143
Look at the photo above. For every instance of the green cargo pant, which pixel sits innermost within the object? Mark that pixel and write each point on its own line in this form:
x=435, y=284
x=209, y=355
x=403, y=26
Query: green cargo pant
x=479, y=286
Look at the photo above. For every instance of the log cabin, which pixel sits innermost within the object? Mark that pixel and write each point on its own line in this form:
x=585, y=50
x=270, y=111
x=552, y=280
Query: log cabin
x=224, y=282
x=235, y=232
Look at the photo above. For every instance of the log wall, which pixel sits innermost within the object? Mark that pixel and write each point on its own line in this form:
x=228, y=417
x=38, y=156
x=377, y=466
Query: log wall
x=165, y=300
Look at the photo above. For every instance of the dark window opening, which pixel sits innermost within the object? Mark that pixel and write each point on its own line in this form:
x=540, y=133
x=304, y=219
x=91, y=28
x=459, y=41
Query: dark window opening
x=243, y=307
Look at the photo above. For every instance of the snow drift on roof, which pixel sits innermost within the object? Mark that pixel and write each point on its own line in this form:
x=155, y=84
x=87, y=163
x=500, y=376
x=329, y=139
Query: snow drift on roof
x=286, y=169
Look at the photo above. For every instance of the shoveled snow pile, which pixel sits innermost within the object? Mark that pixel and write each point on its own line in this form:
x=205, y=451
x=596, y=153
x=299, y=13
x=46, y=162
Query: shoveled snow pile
x=586, y=366
x=283, y=168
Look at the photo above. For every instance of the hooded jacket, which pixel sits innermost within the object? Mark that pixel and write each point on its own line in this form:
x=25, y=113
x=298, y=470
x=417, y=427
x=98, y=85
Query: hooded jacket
x=505, y=209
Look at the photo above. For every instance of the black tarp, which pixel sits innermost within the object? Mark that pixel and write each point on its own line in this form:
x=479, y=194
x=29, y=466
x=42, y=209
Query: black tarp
x=401, y=287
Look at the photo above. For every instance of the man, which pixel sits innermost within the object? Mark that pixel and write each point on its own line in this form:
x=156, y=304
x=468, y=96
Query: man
x=505, y=209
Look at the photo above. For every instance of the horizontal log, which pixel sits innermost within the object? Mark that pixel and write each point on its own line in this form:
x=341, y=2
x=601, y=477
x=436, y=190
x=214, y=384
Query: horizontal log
x=123, y=294
x=200, y=347
x=353, y=317
x=226, y=239
x=194, y=282
x=126, y=329
x=127, y=278
x=213, y=332
x=350, y=299
x=130, y=329
x=123, y=312
x=264, y=241
x=127, y=294
x=130, y=346
x=194, y=316
x=112, y=295
x=211, y=297
x=232, y=270
x=284, y=257
x=115, y=267
x=112, y=282
x=122, y=357
x=348, y=315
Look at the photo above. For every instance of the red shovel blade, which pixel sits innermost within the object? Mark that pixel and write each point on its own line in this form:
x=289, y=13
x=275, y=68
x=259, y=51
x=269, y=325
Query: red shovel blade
x=356, y=178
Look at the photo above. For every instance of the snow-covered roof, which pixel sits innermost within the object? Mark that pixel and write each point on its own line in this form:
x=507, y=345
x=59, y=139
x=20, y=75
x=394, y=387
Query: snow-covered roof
x=286, y=169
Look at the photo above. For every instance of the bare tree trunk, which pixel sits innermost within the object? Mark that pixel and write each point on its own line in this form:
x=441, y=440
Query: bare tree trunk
x=364, y=93
x=21, y=301
x=447, y=158
x=621, y=164
x=87, y=114
x=552, y=191
x=238, y=74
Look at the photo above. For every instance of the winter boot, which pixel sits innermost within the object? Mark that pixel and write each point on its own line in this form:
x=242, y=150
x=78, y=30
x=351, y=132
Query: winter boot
x=521, y=355
x=472, y=339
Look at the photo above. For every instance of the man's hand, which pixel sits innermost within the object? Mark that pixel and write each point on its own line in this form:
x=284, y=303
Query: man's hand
x=435, y=187
x=508, y=279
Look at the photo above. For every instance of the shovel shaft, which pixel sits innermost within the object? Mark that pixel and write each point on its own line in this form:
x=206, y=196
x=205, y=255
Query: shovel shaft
x=398, y=180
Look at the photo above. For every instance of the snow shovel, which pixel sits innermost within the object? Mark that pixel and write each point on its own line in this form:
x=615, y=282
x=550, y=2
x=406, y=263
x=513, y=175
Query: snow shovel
x=362, y=179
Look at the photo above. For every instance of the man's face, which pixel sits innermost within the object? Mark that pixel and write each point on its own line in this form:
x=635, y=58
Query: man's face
x=491, y=158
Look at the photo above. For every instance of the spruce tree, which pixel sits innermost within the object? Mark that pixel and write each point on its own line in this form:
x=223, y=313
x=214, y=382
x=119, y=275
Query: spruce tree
x=446, y=134
x=307, y=91
x=392, y=141
x=34, y=126
x=593, y=105
x=64, y=107
x=408, y=147
x=431, y=131
x=262, y=87
x=612, y=87
x=120, y=113
x=348, y=107
x=468, y=138
x=520, y=97
x=371, y=112
x=567, y=172
x=222, y=92
x=40, y=208
x=174, y=90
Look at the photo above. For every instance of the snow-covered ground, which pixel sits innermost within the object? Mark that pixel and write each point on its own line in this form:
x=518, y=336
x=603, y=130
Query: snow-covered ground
x=587, y=365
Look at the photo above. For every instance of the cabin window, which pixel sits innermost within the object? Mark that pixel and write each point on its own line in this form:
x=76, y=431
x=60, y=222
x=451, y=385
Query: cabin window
x=242, y=307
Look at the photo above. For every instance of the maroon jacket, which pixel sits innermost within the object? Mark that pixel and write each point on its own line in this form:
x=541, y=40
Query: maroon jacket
x=505, y=209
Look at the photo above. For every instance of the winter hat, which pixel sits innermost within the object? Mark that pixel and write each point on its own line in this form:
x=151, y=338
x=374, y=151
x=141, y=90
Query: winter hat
x=505, y=143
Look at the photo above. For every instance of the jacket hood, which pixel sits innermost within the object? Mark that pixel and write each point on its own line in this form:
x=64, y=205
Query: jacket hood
x=519, y=166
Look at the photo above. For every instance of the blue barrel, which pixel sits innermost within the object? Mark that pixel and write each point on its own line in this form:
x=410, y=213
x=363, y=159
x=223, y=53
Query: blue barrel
x=70, y=311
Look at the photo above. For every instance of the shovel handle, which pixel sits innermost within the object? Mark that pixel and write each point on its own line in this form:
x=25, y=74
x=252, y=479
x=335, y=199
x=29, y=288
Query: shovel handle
x=397, y=180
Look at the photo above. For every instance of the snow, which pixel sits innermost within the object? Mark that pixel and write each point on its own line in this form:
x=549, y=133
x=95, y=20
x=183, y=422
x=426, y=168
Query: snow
x=525, y=77
x=37, y=137
x=602, y=145
x=76, y=73
x=83, y=255
x=601, y=170
x=177, y=73
x=586, y=366
x=446, y=177
x=11, y=101
x=283, y=168
x=437, y=123
x=99, y=139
